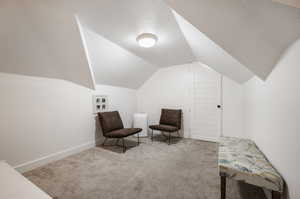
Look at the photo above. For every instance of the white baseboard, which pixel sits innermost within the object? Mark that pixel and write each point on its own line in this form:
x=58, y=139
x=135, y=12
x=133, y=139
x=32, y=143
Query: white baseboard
x=27, y=166
x=208, y=139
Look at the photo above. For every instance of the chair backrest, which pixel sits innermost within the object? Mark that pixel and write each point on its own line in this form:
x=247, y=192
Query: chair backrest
x=110, y=121
x=171, y=117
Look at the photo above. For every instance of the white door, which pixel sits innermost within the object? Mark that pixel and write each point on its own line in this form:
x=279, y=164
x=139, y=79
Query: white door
x=205, y=116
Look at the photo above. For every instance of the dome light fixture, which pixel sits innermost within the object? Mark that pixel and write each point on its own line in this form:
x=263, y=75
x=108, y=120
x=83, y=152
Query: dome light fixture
x=147, y=40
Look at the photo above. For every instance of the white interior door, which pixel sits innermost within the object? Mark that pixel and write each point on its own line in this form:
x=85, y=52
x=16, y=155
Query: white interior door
x=205, y=116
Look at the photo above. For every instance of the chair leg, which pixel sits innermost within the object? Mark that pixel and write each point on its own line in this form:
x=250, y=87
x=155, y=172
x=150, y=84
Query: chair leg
x=178, y=134
x=152, y=136
x=104, y=141
x=124, y=147
x=138, y=136
x=117, y=141
x=169, y=138
x=223, y=187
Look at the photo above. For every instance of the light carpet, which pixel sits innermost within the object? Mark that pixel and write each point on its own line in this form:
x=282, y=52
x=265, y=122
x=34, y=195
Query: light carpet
x=186, y=169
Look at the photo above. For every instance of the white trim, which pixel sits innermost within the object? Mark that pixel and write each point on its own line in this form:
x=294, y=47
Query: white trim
x=27, y=166
x=209, y=139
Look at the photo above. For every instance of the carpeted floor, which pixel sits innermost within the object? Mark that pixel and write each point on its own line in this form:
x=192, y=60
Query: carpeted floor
x=186, y=169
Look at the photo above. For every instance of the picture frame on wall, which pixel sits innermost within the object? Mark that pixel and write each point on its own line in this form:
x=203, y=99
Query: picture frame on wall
x=100, y=103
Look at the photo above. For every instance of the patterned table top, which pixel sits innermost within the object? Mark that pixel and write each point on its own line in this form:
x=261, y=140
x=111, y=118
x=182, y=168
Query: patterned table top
x=240, y=159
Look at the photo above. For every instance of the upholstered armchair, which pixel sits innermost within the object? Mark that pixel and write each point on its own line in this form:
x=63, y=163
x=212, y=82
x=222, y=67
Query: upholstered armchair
x=112, y=127
x=170, y=122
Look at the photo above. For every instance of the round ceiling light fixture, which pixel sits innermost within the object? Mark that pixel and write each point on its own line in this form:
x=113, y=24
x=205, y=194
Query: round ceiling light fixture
x=147, y=40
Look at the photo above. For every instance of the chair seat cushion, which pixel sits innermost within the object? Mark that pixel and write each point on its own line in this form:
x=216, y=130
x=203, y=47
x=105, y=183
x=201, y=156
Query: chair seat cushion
x=123, y=132
x=163, y=127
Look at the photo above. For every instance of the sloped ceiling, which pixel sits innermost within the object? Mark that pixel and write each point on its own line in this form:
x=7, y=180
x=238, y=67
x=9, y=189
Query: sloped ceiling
x=128, y=20
x=122, y=21
x=114, y=65
x=255, y=32
x=41, y=38
x=209, y=53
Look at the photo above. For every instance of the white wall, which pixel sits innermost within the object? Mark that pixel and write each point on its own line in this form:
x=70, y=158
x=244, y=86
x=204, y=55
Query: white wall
x=121, y=99
x=41, y=116
x=170, y=88
x=166, y=88
x=272, y=117
x=43, y=119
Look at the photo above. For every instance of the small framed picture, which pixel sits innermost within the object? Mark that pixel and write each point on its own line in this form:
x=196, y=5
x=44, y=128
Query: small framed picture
x=100, y=103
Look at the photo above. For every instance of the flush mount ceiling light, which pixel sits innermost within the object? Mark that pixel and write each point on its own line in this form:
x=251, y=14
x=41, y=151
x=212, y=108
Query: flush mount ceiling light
x=147, y=40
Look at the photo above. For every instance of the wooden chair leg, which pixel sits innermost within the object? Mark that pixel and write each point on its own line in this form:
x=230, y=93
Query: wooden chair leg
x=138, y=135
x=169, y=138
x=276, y=195
x=223, y=187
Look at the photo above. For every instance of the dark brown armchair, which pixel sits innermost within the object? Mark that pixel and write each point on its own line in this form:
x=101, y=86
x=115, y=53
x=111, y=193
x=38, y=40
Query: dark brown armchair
x=170, y=122
x=112, y=127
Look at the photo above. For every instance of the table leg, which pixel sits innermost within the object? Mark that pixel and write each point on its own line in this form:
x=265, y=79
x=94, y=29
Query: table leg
x=223, y=187
x=276, y=195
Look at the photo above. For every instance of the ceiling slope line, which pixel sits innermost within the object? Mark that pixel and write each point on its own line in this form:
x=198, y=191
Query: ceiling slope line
x=86, y=51
x=114, y=65
x=184, y=37
x=125, y=49
x=209, y=53
x=137, y=17
x=255, y=32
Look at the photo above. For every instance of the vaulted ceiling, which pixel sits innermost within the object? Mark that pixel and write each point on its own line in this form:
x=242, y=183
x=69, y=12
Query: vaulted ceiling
x=113, y=64
x=41, y=38
x=255, y=32
x=209, y=53
x=88, y=41
x=122, y=21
